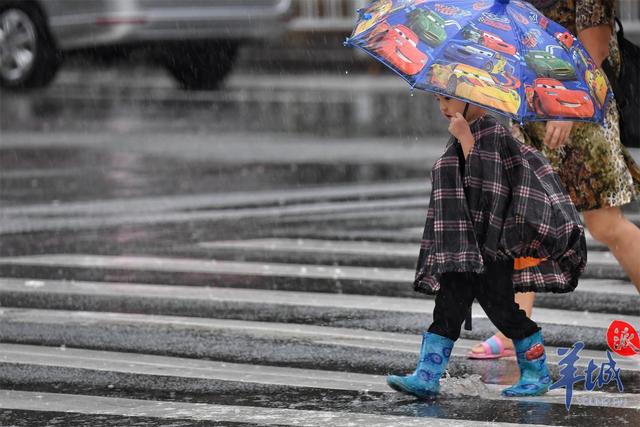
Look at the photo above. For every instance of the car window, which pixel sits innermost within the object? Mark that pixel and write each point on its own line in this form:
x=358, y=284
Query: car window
x=406, y=37
x=551, y=86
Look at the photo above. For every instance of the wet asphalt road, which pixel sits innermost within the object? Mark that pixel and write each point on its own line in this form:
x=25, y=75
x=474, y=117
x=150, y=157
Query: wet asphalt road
x=95, y=165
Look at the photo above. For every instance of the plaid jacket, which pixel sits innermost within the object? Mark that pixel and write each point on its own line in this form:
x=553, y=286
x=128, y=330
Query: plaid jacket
x=509, y=203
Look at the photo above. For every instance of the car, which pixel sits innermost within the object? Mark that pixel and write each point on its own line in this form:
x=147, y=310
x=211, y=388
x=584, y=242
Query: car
x=196, y=40
x=566, y=39
x=488, y=40
x=597, y=85
x=372, y=14
x=471, y=54
x=470, y=32
x=550, y=98
x=474, y=84
x=494, y=42
x=546, y=65
x=428, y=25
x=398, y=45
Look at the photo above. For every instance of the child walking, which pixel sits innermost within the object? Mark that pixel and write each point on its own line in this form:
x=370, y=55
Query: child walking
x=498, y=222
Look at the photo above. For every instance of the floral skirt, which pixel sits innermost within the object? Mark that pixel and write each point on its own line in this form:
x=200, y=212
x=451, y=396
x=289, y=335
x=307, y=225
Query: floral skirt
x=595, y=168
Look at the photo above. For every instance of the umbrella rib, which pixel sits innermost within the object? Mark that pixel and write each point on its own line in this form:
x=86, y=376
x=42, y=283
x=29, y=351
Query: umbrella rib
x=523, y=95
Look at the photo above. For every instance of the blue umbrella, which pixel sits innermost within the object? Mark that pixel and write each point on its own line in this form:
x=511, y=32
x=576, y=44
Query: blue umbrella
x=502, y=55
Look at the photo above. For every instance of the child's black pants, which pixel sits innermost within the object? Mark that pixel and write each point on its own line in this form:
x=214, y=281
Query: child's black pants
x=493, y=290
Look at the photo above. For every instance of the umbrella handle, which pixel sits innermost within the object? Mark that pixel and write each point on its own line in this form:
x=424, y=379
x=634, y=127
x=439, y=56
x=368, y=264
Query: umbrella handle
x=464, y=113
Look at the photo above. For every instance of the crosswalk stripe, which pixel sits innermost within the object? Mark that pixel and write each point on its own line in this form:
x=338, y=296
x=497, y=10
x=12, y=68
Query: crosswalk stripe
x=293, y=298
x=223, y=267
x=97, y=405
x=208, y=266
x=221, y=200
x=399, y=234
x=133, y=363
x=361, y=247
x=319, y=335
x=21, y=224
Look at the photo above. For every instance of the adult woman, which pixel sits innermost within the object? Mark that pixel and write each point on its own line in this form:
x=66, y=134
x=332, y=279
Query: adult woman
x=596, y=169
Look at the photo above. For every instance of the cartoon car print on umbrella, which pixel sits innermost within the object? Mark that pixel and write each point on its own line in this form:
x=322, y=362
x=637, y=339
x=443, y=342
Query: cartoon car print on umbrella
x=474, y=84
x=531, y=38
x=495, y=21
x=428, y=25
x=566, y=39
x=487, y=52
x=399, y=46
x=494, y=42
x=489, y=40
x=546, y=65
x=376, y=11
x=471, y=54
x=550, y=98
x=597, y=85
x=583, y=61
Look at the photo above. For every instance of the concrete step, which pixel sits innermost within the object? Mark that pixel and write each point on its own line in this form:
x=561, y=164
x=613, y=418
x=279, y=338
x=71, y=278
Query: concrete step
x=269, y=343
x=386, y=314
x=605, y=295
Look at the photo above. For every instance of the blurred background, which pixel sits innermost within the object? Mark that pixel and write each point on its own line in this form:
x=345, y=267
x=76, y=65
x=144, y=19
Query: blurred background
x=185, y=186
x=273, y=65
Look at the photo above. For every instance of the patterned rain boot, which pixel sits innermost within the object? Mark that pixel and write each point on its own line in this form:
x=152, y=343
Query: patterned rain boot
x=532, y=361
x=425, y=380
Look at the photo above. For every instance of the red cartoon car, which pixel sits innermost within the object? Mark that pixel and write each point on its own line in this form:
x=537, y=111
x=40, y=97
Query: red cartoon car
x=496, y=43
x=566, y=39
x=550, y=98
x=488, y=39
x=399, y=46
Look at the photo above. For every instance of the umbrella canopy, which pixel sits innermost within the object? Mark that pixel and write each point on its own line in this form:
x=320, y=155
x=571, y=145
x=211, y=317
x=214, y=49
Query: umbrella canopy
x=502, y=55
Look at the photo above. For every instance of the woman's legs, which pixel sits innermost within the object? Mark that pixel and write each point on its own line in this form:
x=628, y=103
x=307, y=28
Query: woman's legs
x=525, y=301
x=609, y=226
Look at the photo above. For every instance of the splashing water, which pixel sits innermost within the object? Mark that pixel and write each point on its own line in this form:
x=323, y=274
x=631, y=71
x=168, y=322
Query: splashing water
x=465, y=386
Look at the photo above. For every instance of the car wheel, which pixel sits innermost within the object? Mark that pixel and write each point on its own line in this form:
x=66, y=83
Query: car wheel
x=28, y=55
x=201, y=66
x=452, y=85
x=488, y=66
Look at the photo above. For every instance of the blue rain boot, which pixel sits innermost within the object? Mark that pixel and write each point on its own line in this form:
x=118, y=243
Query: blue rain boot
x=532, y=361
x=425, y=380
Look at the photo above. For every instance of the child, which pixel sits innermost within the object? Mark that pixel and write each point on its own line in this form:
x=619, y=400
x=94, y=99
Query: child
x=495, y=204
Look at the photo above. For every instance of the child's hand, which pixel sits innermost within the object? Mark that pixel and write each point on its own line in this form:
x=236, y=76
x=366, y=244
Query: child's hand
x=459, y=128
